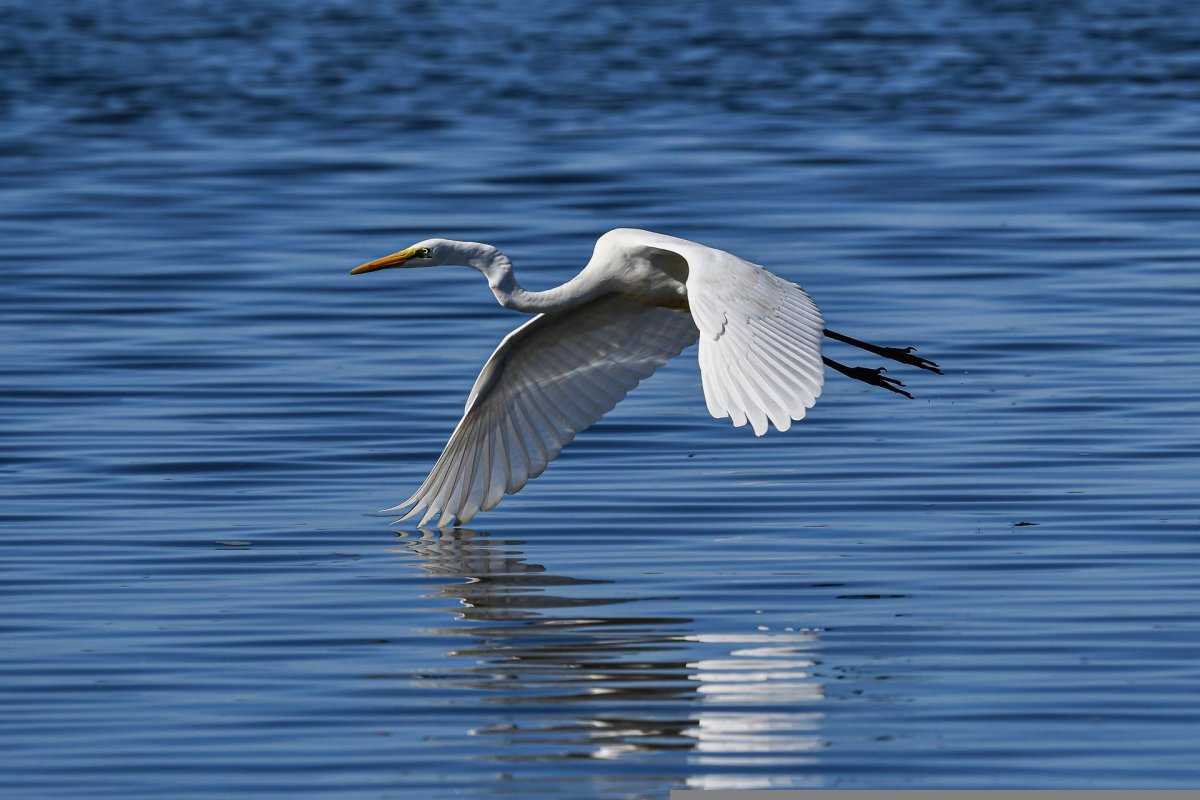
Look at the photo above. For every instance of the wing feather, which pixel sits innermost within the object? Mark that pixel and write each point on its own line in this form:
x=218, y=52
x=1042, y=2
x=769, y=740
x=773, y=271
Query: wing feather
x=518, y=456
x=498, y=477
x=549, y=379
x=760, y=335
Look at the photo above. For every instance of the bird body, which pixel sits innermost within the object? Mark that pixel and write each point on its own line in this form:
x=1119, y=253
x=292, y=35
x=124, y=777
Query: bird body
x=641, y=299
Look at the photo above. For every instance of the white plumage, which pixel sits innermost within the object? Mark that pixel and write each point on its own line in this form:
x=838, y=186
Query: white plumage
x=642, y=298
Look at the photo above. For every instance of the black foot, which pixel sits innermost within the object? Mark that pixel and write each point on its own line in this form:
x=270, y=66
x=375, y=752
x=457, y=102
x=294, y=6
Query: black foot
x=904, y=355
x=874, y=377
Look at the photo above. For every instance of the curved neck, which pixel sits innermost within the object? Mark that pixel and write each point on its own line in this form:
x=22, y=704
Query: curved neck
x=498, y=270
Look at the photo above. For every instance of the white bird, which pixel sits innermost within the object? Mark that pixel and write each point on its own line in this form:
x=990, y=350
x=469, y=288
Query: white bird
x=641, y=299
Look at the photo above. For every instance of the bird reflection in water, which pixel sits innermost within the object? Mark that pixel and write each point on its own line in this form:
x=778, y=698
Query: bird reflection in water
x=564, y=668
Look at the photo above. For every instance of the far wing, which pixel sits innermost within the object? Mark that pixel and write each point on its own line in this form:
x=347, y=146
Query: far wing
x=760, y=338
x=549, y=379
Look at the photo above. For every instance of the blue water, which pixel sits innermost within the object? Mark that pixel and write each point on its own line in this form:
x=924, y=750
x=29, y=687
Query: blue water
x=994, y=585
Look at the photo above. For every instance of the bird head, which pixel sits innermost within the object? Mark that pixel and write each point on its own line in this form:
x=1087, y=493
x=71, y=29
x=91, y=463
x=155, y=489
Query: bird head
x=429, y=253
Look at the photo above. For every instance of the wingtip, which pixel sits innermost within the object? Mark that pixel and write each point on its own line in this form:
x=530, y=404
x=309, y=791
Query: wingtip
x=393, y=510
x=398, y=507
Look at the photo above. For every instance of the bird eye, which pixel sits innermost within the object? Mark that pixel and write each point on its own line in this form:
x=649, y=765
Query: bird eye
x=423, y=252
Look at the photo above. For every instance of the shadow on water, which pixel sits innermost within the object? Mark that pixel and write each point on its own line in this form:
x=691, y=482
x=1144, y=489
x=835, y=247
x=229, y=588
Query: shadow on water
x=576, y=672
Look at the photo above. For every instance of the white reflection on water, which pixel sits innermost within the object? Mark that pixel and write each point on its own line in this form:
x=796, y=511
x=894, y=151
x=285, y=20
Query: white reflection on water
x=731, y=701
x=773, y=689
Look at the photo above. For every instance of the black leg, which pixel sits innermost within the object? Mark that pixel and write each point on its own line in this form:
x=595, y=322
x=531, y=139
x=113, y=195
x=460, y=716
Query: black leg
x=875, y=377
x=902, y=354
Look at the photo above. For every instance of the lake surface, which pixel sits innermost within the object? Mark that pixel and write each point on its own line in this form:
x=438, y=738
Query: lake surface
x=994, y=585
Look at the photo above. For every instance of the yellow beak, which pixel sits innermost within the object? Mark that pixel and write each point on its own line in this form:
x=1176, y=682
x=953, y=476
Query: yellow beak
x=394, y=260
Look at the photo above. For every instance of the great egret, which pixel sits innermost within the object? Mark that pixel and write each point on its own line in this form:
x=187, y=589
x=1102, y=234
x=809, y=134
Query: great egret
x=641, y=299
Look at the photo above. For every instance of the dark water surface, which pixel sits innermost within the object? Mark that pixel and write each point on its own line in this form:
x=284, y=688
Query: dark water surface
x=994, y=585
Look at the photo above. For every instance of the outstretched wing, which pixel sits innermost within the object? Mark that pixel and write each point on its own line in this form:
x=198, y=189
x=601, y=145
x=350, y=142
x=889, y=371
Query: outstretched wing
x=549, y=379
x=760, y=342
x=760, y=335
